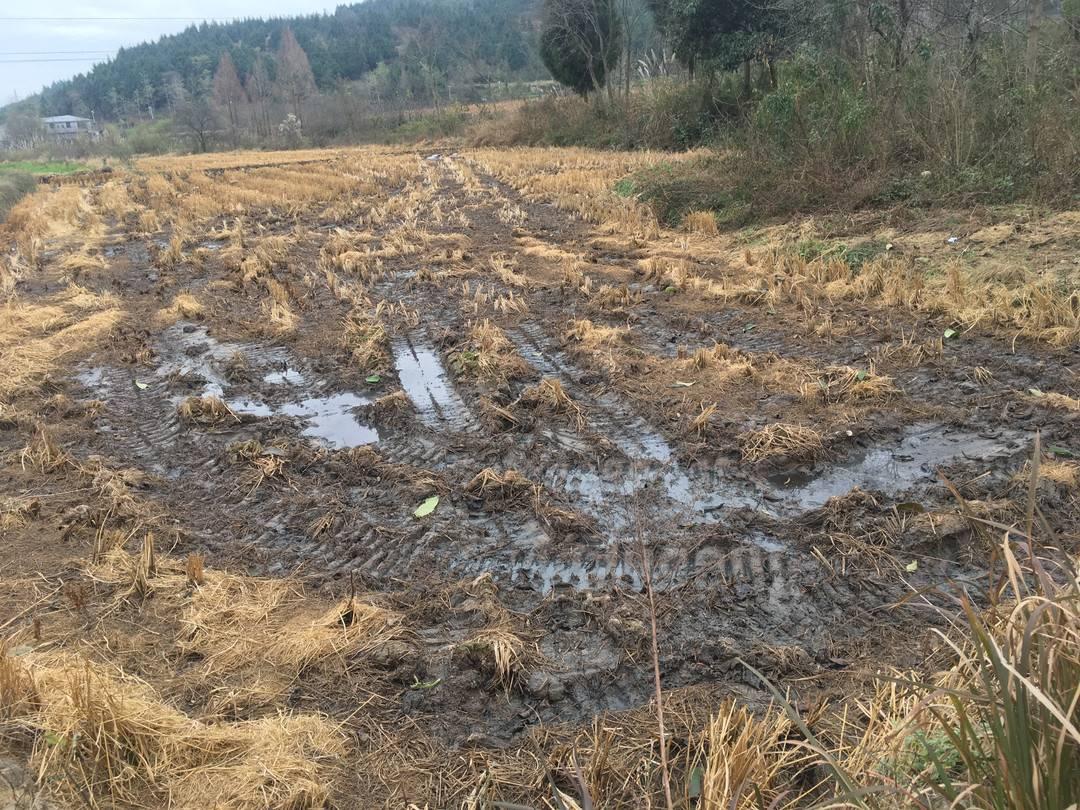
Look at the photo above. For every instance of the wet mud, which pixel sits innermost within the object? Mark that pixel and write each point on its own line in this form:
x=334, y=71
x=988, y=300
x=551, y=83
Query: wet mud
x=744, y=554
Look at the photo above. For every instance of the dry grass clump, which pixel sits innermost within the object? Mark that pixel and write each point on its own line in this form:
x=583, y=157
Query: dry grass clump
x=184, y=306
x=608, y=298
x=511, y=489
x=838, y=384
x=261, y=462
x=500, y=650
x=75, y=264
x=747, y=760
x=488, y=355
x=506, y=270
x=591, y=336
x=17, y=512
x=701, y=222
x=794, y=442
x=482, y=300
x=1053, y=399
x=208, y=410
x=240, y=623
x=417, y=480
x=392, y=408
x=398, y=315
x=102, y=735
x=505, y=488
x=1061, y=473
x=365, y=339
x=43, y=453
x=253, y=637
x=36, y=337
x=148, y=222
x=549, y=396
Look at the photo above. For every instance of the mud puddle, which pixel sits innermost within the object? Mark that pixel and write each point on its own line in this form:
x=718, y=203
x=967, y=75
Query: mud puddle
x=613, y=492
x=426, y=383
x=188, y=355
x=892, y=468
x=330, y=420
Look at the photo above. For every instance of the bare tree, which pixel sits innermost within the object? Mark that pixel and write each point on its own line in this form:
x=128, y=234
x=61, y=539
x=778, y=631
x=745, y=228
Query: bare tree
x=427, y=50
x=195, y=116
x=229, y=94
x=261, y=92
x=1031, y=56
x=295, y=81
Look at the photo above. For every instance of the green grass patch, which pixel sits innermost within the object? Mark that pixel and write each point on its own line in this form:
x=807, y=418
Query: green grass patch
x=673, y=190
x=854, y=256
x=36, y=167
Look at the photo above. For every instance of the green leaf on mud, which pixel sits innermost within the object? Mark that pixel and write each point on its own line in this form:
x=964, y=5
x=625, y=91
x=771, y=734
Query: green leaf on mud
x=427, y=507
x=912, y=566
x=419, y=684
x=141, y=385
x=861, y=375
x=1063, y=452
x=373, y=378
x=950, y=333
x=1035, y=392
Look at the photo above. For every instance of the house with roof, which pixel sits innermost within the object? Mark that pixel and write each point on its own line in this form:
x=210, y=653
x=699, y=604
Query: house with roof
x=69, y=127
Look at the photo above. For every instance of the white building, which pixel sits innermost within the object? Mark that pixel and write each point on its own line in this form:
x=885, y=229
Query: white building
x=69, y=127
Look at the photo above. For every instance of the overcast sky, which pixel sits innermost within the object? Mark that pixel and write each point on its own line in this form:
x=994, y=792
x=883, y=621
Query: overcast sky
x=82, y=33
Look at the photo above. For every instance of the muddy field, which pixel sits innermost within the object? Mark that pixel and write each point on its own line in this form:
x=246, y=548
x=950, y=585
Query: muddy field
x=799, y=437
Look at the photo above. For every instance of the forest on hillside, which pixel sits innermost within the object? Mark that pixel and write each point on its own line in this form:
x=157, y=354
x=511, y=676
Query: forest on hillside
x=405, y=49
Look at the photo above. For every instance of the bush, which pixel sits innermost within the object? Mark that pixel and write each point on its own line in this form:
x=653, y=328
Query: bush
x=151, y=138
x=673, y=190
x=13, y=187
x=665, y=113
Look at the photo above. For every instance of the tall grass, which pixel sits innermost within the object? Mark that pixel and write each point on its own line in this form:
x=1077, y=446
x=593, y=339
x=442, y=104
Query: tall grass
x=1000, y=727
x=14, y=185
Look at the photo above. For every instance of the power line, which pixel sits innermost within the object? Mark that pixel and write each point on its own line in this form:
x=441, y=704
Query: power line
x=119, y=19
x=48, y=53
x=25, y=61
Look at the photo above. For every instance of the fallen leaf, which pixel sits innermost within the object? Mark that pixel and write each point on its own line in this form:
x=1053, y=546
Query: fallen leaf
x=912, y=566
x=950, y=333
x=1063, y=452
x=1035, y=392
x=427, y=507
x=141, y=385
x=419, y=684
x=681, y=384
x=373, y=378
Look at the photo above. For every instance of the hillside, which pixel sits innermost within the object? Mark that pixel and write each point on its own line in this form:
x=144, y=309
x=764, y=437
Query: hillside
x=416, y=47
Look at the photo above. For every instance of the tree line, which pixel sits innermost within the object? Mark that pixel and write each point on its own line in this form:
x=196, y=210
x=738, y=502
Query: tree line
x=402, y=49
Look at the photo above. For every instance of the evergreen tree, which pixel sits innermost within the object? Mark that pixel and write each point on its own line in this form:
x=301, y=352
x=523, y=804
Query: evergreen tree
x=580, y=42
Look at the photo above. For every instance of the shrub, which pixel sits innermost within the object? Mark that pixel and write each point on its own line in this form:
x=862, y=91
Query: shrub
x=13, y=186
